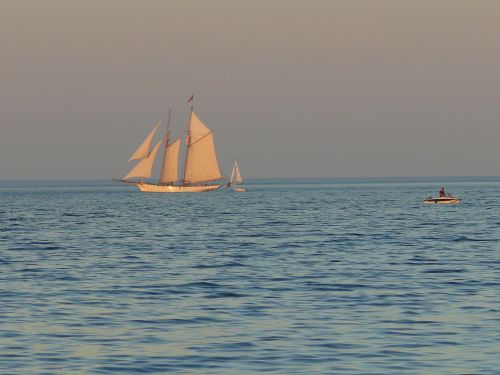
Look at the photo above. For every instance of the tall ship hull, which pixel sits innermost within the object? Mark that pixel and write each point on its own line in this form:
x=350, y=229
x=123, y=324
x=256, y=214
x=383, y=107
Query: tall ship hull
x=153, y=188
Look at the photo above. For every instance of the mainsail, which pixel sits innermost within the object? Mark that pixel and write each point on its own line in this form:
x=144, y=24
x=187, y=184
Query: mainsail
x=143, y=150
x=171, y=161
x=201, y=159
x=144, y=167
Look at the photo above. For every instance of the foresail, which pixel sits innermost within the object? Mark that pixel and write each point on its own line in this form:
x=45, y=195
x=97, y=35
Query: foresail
x=144, y=167
x=143, y=150
x=171, y=162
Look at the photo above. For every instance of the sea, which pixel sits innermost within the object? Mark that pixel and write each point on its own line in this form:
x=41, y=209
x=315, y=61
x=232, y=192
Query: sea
x=295, y=276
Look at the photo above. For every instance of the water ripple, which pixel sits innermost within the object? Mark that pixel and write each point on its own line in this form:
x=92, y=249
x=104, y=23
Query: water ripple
x=293, y=277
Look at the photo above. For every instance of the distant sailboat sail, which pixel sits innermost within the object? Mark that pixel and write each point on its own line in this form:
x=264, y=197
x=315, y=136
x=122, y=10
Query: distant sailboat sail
x=236, y=179
x=235, y=174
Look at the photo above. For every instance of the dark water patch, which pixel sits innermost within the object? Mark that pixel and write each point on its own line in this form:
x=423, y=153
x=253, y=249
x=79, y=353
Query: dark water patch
x=131, y=257
x=221, y=265
x=276, y=222
x=226, y=295
x=65, y=278
x=230, y=346
x=446, y=343
x=156, y=322
x=130, y=369
x=339, y=346
x=58, y=335
x=411, y=345
x=290, y=245
x=401, y=332
x=278, y=279
x=7, y=261
x=32, y=270
x=200, y=285
x=397, y=354
x=273, y=338
x=471, y=239
x=10, y=334
x=422, y=262
x=48, y=247
x=409, y=321
x=71, y=214
x=335, y=287
x=445, y=270
x=16, y=219
x=12, y=356
x=197, y=320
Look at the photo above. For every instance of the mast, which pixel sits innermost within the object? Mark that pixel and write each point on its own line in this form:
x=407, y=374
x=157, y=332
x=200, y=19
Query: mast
x=188, y=143
x=165, y=146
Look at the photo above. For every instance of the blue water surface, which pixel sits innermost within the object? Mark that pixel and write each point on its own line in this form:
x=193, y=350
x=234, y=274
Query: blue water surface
x=331, y=276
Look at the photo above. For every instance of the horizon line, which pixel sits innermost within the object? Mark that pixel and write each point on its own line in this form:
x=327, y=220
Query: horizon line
x=262, y=178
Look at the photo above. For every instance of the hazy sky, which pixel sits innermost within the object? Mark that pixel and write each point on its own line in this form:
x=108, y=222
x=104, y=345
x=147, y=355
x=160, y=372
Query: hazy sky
x=291, y=88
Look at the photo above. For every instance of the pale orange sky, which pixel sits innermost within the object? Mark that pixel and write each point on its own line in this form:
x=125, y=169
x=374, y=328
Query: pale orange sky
x=291, y=88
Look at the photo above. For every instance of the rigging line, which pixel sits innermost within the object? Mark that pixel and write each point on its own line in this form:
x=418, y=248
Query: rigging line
x=199, y=139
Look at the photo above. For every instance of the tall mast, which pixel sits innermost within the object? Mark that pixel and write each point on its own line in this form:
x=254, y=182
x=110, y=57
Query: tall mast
x=188, y=139
x=165, y=151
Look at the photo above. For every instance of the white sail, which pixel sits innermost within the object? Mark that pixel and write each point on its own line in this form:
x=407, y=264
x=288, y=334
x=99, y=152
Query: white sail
x=233, y=174
x=144, y=167
x=237, y=175
x=143, y=150
x=201, y=159
x=171, y=162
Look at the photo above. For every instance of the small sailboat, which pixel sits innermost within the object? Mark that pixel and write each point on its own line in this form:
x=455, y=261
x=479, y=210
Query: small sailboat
x=201, y=169
x=236, y=179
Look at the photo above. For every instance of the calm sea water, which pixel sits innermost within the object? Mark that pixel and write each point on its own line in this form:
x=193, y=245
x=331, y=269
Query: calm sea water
x=293, y=277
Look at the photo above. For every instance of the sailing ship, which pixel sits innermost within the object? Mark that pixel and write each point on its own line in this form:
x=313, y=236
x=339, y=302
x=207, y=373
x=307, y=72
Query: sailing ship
x=201, y=169
x=236, y=179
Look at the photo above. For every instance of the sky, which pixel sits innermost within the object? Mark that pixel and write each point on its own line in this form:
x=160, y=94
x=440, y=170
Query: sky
x=291, y=88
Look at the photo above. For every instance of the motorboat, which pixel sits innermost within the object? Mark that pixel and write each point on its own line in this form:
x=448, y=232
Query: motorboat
x=442, y=200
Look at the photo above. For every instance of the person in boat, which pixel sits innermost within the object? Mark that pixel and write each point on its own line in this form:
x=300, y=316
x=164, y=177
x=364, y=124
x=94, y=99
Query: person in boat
x=441, y=192
x=449, y=195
